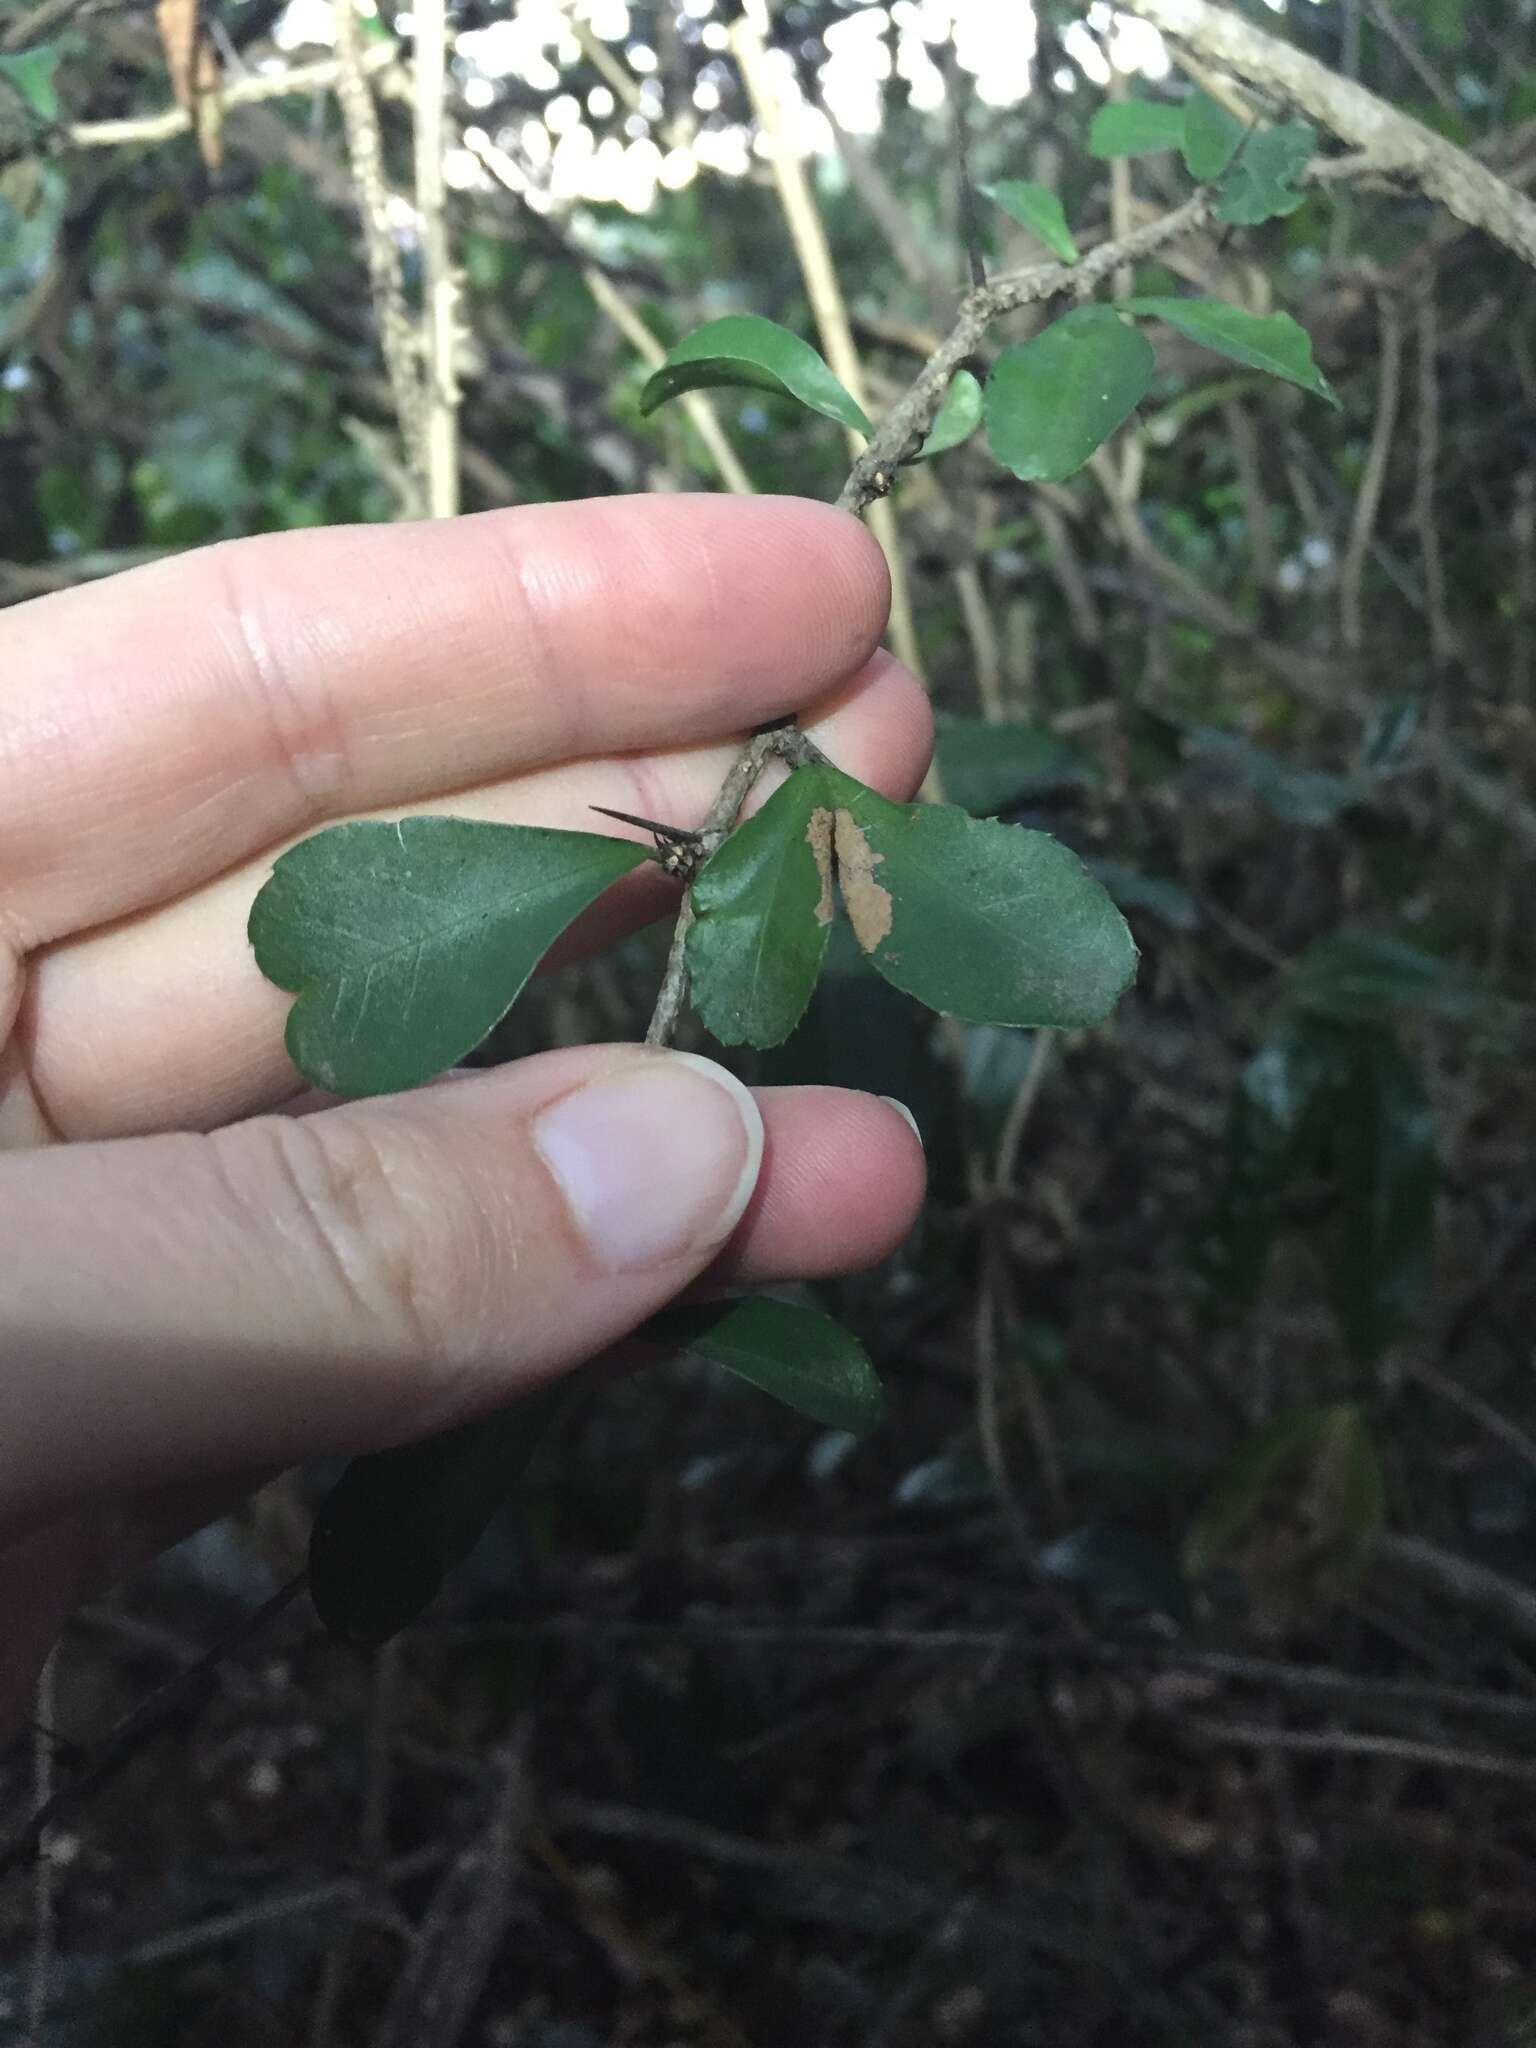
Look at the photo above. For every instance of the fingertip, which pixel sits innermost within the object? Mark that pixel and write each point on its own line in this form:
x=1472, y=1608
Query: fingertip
x=845, y=575
x=878, y=727
x=842, y=1185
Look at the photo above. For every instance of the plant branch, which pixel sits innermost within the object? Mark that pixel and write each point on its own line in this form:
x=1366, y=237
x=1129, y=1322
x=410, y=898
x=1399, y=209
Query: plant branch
x=147, y=1720
x=322, y=76
x=1368, y=500
x=439, y=450
x=814, y=256
x=713, y=833
x=365, y=153
x=901, y=431
x=1392, y=143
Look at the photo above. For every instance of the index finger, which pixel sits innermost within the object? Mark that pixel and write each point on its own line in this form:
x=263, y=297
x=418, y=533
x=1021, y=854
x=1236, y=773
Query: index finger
x=157, y=728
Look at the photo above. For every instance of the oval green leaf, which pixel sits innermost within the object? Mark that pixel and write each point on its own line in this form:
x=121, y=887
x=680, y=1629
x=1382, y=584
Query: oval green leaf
x=398, y=1521
x=1037, y=208
x=1211, y=138
x=763, y=905
x=1272, y=342
x=407, y=943
x=1051, y=401
x=958, y=417
x=980, y=920
x=744, y=349
x=800, y=1357
x=1135, y=128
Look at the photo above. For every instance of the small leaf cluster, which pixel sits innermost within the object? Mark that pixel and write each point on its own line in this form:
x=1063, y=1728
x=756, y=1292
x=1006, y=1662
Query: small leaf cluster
x=1051, y=401
x=406, y=943
x=1253, y=169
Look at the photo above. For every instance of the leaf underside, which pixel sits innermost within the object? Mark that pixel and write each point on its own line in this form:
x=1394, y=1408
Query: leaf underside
x=398, y=1521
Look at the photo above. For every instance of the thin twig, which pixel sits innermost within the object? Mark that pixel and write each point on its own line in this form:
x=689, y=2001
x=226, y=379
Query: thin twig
x=1006, y=1646
x=1368, y=497
x=397, y=335
x=166, y=1704
x=1423, y=513
x=439, y=293
x=1355, y=1742
x=982, y=634
x=308, y=1903
x=814, y=256
x=322, y=76
x=1480, y=1411
x=1021, y=1109
x=901, y=431
x=46, y=1875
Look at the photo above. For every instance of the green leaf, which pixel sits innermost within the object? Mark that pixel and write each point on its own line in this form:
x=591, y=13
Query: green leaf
x=980, y=920
x=1371, y=977
x=763, y=906
x=1051, y=401
x=1309, y=1482
x=1211, y=137
x=1135, y=128
x=1261, y=184
x=744, y=349
x=801, y=1358
x=1037, y=208
x=1377, y=1242
x=406, y=943
x=398, y=1521
x=1275, y=1130
x=1271, y=342
x=1337, y=1112
x=958, y=417
x=31, y=72
x=985, y=768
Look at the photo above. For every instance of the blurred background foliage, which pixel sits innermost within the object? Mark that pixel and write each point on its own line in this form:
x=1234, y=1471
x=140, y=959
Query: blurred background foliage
x=1165, y=1669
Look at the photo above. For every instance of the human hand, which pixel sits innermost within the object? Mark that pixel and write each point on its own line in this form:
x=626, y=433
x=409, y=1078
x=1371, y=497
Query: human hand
x=197, y=1291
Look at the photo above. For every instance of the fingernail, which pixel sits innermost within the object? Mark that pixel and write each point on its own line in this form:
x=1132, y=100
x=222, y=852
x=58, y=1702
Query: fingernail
x=656, y=1162
x=902, y=1110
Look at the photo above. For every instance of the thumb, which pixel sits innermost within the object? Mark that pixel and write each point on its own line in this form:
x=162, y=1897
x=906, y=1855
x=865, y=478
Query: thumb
x=180, y=1306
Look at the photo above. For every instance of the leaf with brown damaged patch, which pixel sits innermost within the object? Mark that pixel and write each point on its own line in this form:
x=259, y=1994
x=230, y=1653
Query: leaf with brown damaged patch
x=819, y=836
x=977, y=919
x=762, y=906
x=867, y=903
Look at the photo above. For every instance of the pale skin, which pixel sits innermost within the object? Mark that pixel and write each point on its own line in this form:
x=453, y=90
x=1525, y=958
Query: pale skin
x=248, y=1275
